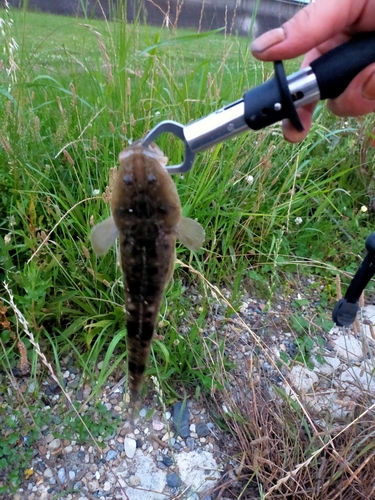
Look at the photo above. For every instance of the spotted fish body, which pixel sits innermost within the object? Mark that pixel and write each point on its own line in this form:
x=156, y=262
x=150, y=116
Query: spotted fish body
x=147, y=218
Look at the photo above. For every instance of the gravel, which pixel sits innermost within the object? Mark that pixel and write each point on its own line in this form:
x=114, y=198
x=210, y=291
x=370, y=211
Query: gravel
x=155, y=452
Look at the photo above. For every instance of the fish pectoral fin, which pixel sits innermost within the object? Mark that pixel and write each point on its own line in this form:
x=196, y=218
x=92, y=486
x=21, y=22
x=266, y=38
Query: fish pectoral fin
x=103, y=235
x=190, y=233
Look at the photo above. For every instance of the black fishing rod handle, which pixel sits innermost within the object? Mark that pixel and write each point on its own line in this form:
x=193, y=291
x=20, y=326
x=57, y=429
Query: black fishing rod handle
x=326, y=78
x=335, y=69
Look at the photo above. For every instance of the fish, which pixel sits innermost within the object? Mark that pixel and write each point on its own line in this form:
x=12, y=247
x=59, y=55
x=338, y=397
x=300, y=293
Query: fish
x=146, y=218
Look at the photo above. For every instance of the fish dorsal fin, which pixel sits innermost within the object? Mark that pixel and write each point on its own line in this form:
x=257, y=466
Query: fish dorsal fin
x=190, y=233
x=103, y=235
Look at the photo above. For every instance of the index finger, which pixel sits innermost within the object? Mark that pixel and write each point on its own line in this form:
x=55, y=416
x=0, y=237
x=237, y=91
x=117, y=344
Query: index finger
x=311, y=26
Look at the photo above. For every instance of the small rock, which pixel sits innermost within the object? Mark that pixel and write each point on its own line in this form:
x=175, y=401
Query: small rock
x=130, y=446
x=167, y=461
x=167, y=415
x=157, y=425
x=192, y=496
x=111, y=455
x=49, y=438
x=54, y=444
x=167, y=436
x=93, y=485
x=48, y=473
x=40, y=466
x=143, y=412
x=61, y=475
x=302, y=378
x=190, y=443
x=31, y=388
x=348, y=347
x=134, y=480
x=42, y=450
x=107, y=486
x=202, y=430
x=355, y=378
x=193, y=468
x=173, y=480
x=86, y=391
x=181, y=419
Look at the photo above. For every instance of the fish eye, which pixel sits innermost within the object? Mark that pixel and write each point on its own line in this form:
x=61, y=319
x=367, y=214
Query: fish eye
x=128, y=179
x=151, y=178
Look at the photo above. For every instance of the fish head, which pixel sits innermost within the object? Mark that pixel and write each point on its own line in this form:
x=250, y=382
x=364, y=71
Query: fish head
x=144, y=188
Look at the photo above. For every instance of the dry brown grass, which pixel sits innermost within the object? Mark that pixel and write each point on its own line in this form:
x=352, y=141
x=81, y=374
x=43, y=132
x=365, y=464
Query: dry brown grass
x=280, y=455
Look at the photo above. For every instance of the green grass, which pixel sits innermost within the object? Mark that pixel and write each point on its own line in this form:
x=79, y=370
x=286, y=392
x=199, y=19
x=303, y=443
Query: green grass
x=84, y=89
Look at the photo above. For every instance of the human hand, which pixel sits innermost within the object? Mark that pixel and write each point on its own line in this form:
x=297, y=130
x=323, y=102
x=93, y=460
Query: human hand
x=314, y=30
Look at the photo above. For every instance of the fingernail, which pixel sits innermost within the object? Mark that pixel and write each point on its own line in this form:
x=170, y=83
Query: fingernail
x=368, y=89
x=267, y=40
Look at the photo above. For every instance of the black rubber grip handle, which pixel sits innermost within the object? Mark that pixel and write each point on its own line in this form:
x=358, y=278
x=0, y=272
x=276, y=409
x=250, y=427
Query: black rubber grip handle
x=335, y=69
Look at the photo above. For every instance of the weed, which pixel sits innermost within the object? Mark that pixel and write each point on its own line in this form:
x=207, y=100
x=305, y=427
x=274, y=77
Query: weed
x=75, y=94
x=19, y=435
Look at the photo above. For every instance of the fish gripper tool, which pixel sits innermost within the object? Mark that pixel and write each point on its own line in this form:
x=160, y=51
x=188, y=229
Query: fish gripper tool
x=277, y=99
x=346, y=309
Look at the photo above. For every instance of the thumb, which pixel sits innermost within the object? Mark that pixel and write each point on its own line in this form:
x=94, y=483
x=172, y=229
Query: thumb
x=311, y=26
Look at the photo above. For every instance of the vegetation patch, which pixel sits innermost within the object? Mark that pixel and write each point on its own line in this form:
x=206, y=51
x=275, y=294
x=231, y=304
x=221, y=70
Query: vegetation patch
x=73, y=94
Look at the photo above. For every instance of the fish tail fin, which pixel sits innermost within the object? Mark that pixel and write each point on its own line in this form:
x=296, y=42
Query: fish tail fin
x=139, y=346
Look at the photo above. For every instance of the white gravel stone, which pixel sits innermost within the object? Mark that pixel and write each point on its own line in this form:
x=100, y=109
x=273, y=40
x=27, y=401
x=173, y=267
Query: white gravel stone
x=107, y=486
x=130, y=446
x=348, y=347
x=327, y=368
x=167, y=435
x=49, y=438
x=61, y=475
x=93, y=485
x=369, y=313
x=157, y=425
x=143, y=412
x=48, y=473
x=147, y=475
x=198, y=470
x=54, y=444
x=354, y=380
x=302, y=378
x=329, y=403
